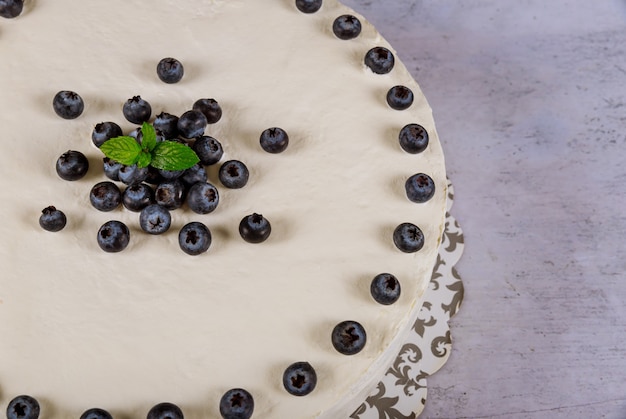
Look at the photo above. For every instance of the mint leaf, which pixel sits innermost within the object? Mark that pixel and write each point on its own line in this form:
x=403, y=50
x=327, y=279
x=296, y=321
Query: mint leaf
x=144, y=159
x=170, y=155
x=148, y=134
x=124, y=150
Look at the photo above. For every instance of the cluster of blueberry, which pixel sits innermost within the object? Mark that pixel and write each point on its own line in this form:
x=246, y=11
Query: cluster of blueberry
x=173, y=186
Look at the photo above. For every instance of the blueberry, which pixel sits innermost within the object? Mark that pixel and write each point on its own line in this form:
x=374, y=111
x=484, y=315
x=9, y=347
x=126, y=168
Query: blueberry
x=105, y=196
x=155, y=219
x=274, y=140
x=236, y=403
x=203, y=198
x=208, y=149
x=308, y=6
x=137, y=110
x=408, y=238
x=131, y=175
x=170, y=194
x=23, y=407
x=234, y=174
x=194, y=238
x=385, y=289
x=299, y=379
x=192, y=124
x=154, y=177
x=419, y=188
x=72, y=165
x=349, y=337
x=104, y=131
x=400, y=98
x=165, y=411
x=196, y=173
x=113, y=236
x=96, y=413
x=170, y=70
x=138, y=196
x=380, y=60
x=11, y=8
x=413, y=138
x=111, y=168
x=166, y=124
x=210, y=108
x=347, y=27
x=254, y=228
x=52, y=219
x=170, y=174
x=68, y=105
x=136, y=134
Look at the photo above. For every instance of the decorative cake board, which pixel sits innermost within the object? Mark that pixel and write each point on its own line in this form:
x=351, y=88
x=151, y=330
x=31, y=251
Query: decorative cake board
x=401, y=394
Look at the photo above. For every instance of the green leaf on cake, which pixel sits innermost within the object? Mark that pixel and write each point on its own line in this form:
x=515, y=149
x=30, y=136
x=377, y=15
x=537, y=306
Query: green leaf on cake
x=148, y=137
x=124, y=150
x=144, y=159
x=166, y=155
x=170, y=155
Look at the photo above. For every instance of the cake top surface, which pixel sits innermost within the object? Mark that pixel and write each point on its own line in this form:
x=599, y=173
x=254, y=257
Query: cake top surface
x=84, y=328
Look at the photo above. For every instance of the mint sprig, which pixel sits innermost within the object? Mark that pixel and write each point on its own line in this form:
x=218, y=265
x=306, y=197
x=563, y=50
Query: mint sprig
x=166, y=155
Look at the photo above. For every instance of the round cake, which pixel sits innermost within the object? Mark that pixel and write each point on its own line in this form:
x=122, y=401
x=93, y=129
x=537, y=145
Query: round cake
x=84, y=327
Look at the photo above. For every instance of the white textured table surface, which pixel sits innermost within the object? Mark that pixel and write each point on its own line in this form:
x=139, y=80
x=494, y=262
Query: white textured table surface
x=530, y=101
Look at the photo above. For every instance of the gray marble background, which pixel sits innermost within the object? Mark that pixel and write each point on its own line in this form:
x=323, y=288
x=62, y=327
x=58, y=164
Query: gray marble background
x=530, y=101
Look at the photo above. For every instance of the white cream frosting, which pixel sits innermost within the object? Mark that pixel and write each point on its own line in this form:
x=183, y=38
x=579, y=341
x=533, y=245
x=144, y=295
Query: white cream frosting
x=82, y=328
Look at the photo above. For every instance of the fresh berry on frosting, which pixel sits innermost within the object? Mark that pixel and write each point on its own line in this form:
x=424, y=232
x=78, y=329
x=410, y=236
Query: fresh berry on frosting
x=408, y=238
x=196, y=173
x=170, y=194
x=23, y=407
x=138, y=196
x=105, y=196
x=209, y=108
x=385, y=289
x=132, y=174
x=236, y=403
x=380, y=60
x=347, y=27
x=96, y=413
x=167, y=125
x=194, y=238
x=165, y=411
x=137, y=110
x=68, y=105
x=308, y=6
x=208, y=149
x=155, y=219
x=203, y=198
x=300, y=379
x=104, y=131
x=255, y=228
x=400, y=98
x=234, y=174
x=170, y=70
x=111, y=168
x=413, y=138
x=349, y=337
x=274, y=140
x=113, y=236
x=52, y=219
x=72, y=165
x=419, y=188
x=192, y=124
